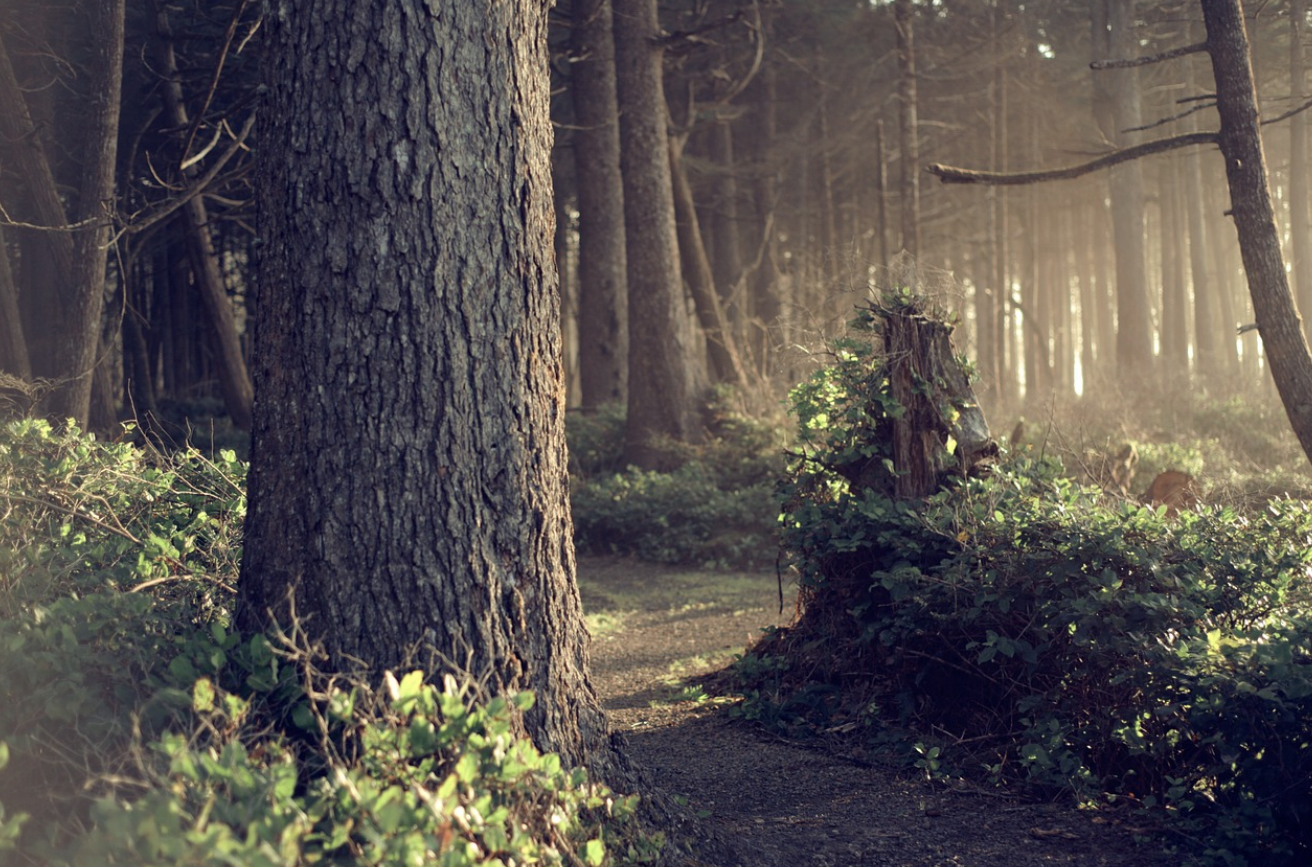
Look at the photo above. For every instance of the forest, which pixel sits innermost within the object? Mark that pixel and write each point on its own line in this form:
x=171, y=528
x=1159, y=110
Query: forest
x=355, y=357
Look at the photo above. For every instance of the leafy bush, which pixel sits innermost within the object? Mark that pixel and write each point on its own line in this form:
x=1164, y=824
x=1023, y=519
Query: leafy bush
x=137, y=729
x=716, y=508
x=1110, y=653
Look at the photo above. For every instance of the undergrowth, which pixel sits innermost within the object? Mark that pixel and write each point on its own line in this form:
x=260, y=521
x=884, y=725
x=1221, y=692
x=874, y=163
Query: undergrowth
x=136, y=728
x=1028, y=631
x=715, y=508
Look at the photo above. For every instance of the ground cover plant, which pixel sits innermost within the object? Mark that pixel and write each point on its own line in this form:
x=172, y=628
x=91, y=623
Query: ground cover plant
x=135, y=728
x=1026, y=630
x=713, y=507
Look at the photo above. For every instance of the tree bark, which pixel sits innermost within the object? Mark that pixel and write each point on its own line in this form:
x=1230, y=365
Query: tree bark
x=1278, y=321
x=408, y=476
x=234, y=379
x=603, y=300
x=665, y=375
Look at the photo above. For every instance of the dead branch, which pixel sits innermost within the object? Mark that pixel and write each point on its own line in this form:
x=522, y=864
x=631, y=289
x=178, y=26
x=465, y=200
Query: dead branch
x=1149, y=58
x=954, y=175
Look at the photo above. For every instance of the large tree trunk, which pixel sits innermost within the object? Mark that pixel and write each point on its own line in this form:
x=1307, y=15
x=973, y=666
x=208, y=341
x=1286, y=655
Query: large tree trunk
x=234, y=379
x=408, y=475
x=603, y=302
x=1241, y=144
x=665, y=376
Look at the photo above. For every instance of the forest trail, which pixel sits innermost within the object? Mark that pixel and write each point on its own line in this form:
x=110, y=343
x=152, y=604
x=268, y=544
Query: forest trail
x=782, y=804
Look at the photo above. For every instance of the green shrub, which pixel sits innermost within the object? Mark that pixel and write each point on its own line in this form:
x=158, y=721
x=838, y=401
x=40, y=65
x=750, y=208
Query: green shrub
x=677, y=517
x=135, y=728
x=715, y=508
x=1105, y=652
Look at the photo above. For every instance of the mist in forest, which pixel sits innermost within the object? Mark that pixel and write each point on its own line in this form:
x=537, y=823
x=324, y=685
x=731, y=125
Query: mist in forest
x=732, y=179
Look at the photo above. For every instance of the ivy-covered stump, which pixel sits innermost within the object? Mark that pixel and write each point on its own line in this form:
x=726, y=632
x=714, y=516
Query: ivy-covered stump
x=941, y=428
x=984, y=616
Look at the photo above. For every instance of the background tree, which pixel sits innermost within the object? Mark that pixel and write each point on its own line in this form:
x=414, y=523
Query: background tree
x=666, y=370
x=407, y=486
x=603, y=296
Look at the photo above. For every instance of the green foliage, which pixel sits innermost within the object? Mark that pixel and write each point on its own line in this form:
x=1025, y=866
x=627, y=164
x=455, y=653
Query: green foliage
x=715, y=508
x=1106, y=652
x=417, y=775
x=138, y=729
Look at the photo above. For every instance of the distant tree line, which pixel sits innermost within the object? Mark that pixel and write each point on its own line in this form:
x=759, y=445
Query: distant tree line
x=731, y=176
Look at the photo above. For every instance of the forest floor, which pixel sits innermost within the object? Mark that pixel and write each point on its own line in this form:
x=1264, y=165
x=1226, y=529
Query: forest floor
x=776, y=803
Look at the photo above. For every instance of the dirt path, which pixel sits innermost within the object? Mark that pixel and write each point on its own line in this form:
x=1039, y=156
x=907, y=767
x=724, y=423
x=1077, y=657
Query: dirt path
x=783, y=805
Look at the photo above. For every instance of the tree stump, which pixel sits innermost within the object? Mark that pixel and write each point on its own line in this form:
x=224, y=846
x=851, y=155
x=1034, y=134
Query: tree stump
x=942, y=430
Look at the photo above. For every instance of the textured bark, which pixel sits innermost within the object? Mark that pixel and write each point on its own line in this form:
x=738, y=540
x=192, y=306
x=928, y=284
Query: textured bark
x=603, y=302
x=234, y=379
x=408, y=475
x=1133, y=321
x=1241, y=144
x=918, y=349
x=904, y=13
x=665, y=375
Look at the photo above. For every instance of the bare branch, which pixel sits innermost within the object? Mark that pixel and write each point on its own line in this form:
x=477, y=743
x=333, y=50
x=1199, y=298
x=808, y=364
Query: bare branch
x=1164, y=121
x=680, y=37
x=1287, y=115
x=1150, y=58
x=196, y=186
x=952, y=175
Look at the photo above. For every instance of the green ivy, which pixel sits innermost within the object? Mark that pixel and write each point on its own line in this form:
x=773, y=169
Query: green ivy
x=146, y=732
x=1109, y=653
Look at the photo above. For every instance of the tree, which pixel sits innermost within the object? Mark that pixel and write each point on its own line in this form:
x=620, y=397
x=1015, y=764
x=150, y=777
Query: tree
x=1240, y=142
x=908, y=125
x=75, y=236
x=408, y=480
x=1133, y=319
x=666, y=375
x=233, y=376
x=603, y=302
